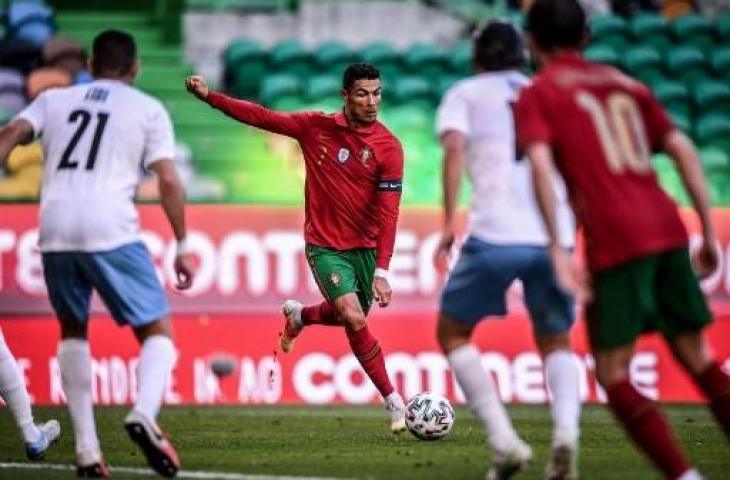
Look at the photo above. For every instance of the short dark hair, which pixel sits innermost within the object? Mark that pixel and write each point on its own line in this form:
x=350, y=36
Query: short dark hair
x=498, y=46
x=556, y=23
x=359, y=71
x=114, y=51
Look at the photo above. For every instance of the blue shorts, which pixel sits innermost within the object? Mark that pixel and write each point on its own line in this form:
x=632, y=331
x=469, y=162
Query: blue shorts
x=124, y=278
x=477, y=286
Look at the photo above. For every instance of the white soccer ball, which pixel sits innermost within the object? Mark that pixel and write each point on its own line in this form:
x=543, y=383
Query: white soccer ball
x=429, y=416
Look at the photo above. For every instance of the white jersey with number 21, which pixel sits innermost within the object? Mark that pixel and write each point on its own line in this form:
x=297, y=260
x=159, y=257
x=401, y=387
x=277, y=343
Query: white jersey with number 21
x=97, y=139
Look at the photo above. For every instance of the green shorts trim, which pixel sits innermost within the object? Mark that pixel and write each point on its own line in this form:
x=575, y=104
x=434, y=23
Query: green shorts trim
x=654, y=293
x=338, y=272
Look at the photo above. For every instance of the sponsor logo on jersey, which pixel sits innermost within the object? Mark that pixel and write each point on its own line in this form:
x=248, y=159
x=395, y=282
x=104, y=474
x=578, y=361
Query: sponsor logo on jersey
x=343, y=155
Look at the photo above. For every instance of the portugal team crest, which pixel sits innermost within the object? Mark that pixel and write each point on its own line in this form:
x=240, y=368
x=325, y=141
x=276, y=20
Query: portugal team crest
x=334, y=276
x=343, y=155
x=366, y=154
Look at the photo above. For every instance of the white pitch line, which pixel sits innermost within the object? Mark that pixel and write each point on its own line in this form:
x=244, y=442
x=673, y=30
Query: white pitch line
x=148, y=473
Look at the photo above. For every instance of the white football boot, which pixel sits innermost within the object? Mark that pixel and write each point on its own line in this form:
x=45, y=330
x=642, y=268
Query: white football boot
x=292, y=311
x=397, y=408
x=508, y=462
x=562, y=464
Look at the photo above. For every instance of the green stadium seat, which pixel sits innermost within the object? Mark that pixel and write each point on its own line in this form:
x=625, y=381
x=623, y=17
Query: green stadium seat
x=641, y=58
x=711, y=95
x=713, y=129
x=722, y=27
x=651, y=76
x=443, y=83
x=714, y=158
x=320, y=87
x=410, y=89
x=385, y=57
x=459, y=59
x=602, y=54
x=291, y=57
x=684, y=61
x=686, y=27
x=643, y=25
x=411, y=118
x=671, y=93
x=276, y=87
x=333, y=57
x=661, y=43
x=720, y=61
x=681, y=116
x=425, y=59
x=617, y=42
x=607, y=25
x=246, y=64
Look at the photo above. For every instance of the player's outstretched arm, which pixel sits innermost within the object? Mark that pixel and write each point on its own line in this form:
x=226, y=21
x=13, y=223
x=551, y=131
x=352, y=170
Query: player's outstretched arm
x=453, y=145
x=684, y=154
x=16, y=133
x=172, y=197
x=250, y=113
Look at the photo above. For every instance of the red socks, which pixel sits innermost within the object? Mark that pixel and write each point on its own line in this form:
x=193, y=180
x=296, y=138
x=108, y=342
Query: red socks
x=647, y=427
x=320, y=314
x=716, y=385
x=367, y=350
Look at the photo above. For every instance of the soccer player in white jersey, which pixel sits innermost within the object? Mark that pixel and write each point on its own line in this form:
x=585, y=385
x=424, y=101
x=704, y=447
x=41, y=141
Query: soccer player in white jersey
x=96, y=137
x=506, y=241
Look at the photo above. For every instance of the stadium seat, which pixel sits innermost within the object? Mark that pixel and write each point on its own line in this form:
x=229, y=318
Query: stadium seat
x=720, y=61
x=722, y=27
x=671, y=93
x=711, y=95
x=246, y=64
x=385, y=57
x=688, y=26
x=320, y=87
x=459, y=58
x=643, y=25
x=685, y=61
x=651, y=76
x=290, y=57
x=333, y=57
x=681, y=116
x=410, y=89
x=30, y=21
x=714, y=158
x=641, y=58
x=660, y=43
x=276, y=87
x=602, y=54
x=443, y=83
x=713, y=129
x=606, y=25
x=425, y=59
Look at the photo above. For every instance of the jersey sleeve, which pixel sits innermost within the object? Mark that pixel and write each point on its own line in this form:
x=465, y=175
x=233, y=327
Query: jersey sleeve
x=530, y=119
x=159, y=138
x=657, y=121
x=35, y=114
x=390, y=186
x=251, y=113
x=453, y=114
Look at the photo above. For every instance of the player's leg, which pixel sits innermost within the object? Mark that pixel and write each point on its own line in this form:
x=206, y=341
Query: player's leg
x=552, y=315
x=297, y=316
x=624, y=305
x=684, y=314
x=475, y=289
x=127, y=283
x=70, y=292
x=37, y=438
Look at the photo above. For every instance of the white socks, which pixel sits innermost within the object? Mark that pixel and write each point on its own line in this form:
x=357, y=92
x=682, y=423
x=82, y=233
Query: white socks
x=13, y=392
x=561, y=374
x=482, y=396
x=156, y=359
x=74, y=359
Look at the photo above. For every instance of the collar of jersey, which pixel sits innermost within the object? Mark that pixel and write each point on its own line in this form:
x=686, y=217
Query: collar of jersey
x=341, y=121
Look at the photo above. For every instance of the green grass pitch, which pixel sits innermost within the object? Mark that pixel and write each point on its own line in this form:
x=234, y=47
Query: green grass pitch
x=353, y=442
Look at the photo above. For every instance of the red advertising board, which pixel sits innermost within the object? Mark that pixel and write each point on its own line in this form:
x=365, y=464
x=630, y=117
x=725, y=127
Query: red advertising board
x=250, y=260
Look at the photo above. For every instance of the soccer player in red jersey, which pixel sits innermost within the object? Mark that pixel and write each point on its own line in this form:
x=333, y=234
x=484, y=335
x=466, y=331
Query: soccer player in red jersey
x=598, y=127
x=354, y=170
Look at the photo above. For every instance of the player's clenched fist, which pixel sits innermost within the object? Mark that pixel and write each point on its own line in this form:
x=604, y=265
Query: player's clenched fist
x=197, y=86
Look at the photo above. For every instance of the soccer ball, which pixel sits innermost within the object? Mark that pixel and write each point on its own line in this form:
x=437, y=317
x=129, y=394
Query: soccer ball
x=429, y=416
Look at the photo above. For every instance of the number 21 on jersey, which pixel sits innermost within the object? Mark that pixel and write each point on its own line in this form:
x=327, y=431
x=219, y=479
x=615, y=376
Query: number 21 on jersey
x=620, y=129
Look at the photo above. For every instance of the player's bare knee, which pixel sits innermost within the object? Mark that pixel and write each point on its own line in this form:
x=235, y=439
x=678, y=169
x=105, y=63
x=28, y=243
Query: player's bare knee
x=691, y=351
x=550, y=343
x=158, y=327
x=451, y=335
x=612, y=366
x=71, y=328
x=353, y=319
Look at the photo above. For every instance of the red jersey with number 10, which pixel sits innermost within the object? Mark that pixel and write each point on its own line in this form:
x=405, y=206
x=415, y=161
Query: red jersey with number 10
x=602, y=127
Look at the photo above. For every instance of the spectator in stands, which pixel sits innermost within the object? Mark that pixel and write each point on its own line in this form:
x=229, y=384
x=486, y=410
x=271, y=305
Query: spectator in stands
x=69, y=55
